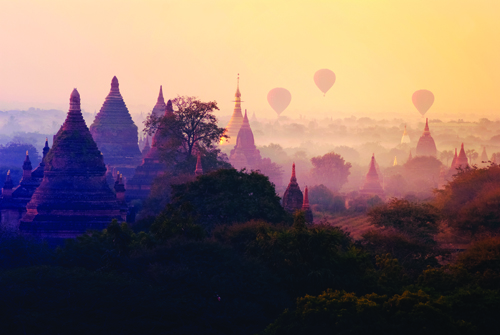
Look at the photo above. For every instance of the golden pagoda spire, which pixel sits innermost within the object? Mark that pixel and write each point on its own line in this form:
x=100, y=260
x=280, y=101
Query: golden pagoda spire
x=236, y=121
x=395, y=161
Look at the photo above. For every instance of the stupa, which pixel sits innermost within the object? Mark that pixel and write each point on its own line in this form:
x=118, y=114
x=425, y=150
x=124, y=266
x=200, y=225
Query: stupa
x=484, y=156
x=14, y=200
x=462, y=161
x=306, y=208
x=426, y=145
x=139, y=186
x=234, y=125
x=74, y=195
x=115, y=133
x=453, y=162
x=372, y=183
x=293, y=198
x=159, y=108
x=406, y=138
x=245, y=153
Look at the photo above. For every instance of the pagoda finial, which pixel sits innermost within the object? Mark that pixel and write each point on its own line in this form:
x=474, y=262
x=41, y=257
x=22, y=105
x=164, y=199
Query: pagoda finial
x=160, y=99
x=293, y=178
x=426, y=129
x=245, y=118
x=114, y=84
x=395, y=161
x=238, y=94
x=74, y=99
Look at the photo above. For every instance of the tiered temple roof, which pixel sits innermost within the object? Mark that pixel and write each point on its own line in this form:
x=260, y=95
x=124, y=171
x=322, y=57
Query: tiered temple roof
x=293, y=199
x=14, y=200
x=139, y=186
x=372, y=184
x=74, y=195
x=462, y=161
x=426, y=145
x=116, y=134
x=245, y=153
x=234, y=125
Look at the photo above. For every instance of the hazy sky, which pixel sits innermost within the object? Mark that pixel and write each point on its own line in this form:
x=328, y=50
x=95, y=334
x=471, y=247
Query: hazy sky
x=381, y=51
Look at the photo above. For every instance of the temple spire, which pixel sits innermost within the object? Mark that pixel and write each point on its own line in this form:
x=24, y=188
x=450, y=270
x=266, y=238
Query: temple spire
x=160, y=100
x=305, y=205
x=7, y=186
x=27, y=168
x=199, y=169
x=426, y=129
x=237, y=94
x=46, y=148
x=114, y=85
x=293, y=178
x=395, y=161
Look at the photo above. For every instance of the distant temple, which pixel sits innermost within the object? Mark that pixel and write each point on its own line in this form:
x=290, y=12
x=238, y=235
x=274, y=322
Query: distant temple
x=293, y=199
x=372, y=184
x=484, y=157
x=14, y=200
x=306, y=208
x=461, y=161
x=426, y=145
x=234, y=125
x=406, y=138
x=74, y=195
x=139, y=186
x=115, y=133
x=245, y=153
x=159, y=108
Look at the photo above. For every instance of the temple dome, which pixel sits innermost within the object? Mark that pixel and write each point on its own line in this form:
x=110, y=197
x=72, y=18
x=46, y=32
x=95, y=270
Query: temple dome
x=372, y=182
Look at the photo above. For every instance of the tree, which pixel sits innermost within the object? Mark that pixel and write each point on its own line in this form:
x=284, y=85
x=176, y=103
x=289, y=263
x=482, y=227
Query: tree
x=415, y=219
x=325, y=200
x=446, y=155
x=191, y=127
x=470, y=203
x=330, y=170
x=228, y=196
x=471, y=154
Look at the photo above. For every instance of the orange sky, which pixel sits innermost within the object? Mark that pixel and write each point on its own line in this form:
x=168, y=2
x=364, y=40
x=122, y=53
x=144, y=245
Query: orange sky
x=381, y=51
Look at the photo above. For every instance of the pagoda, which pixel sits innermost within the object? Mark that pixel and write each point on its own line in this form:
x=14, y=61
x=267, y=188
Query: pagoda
x=159, y=108
x=139, y=186
x=306, y=208
x=245, y=153
x=234, y=125
x=293, y=198
x=484, y=157
x=14, y=200
x=116, y=134
x=406, y=138
x=461, y=161
x=372, y=184
x=74, y=195
x=454, y=160
x=426, y=145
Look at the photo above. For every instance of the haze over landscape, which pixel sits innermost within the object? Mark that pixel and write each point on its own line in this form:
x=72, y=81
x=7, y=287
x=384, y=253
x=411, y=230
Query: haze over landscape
x=249, y=167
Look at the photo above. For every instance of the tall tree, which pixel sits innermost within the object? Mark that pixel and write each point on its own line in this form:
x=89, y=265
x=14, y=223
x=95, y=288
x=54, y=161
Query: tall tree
x=331, y=170
x=191, y=127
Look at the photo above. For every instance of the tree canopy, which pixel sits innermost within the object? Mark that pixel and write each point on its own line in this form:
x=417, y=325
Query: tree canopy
x=331, y=170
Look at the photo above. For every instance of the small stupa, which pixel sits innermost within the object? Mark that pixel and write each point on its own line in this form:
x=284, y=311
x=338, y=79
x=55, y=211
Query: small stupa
x=426, y=145
x=293, y=199
x=406, y=138
x=74, y=195
x=139, y=186
x=306, y=208
x=484, y=156
x=159, y=108
x=115, y=133
x=234, y=125
x=372, y=184
x=462, y=161
x=245, y=153
x=14, y=200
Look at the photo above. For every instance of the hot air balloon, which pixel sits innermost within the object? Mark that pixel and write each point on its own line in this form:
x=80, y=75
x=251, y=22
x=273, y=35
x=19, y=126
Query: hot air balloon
x=279, y=98
x=423, y=100
x=324, y=79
